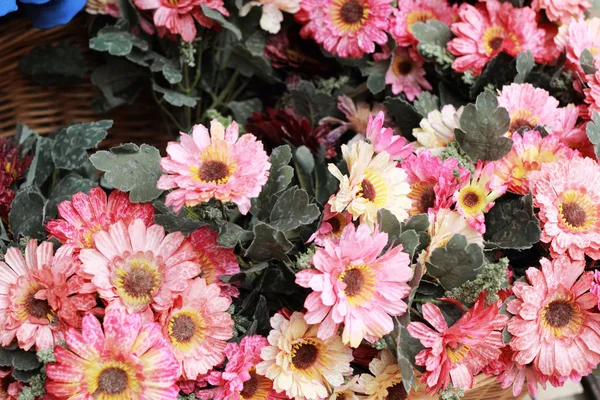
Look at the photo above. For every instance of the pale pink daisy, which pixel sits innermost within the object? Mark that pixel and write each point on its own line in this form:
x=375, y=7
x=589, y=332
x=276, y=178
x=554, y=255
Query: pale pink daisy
x=529, y=151
x=478, y=196
x=433, y=182
x=511, y=373
x=140, y=265
x=332, y=225
x=219, y=165
x=490, y=28
x=459, y=352
x=528, y=106
x=215, y=261
x=179, y=16
x=561, y=11
x=349, y=28
x=553, y=324
x=577, y=36
x=384, y=139
x=354, y=284
x=386, y=379
x=127, y=360
x=411, y=11
x=592, y=92
x=40, y=295
x=84, y=215
x=406, y=73
x=570, y=133
x=567, y=192
x=197, y=328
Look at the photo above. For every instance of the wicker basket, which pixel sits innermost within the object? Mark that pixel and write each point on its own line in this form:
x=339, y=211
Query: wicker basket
x=485, y=388
x=45, y=108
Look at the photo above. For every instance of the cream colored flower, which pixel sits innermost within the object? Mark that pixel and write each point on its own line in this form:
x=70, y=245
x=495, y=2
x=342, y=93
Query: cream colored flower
x=300, y=363
x=351, y=390
x=272, y=12
x=386, y=381
x=374, y=184
x=437, y=130
x=99, y=6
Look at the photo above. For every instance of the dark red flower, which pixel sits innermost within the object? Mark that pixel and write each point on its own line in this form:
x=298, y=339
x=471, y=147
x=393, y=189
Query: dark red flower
x=288, y=50
x=12, y=167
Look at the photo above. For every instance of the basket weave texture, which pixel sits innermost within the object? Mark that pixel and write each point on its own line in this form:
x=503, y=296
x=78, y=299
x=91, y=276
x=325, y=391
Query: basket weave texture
x=46, y=108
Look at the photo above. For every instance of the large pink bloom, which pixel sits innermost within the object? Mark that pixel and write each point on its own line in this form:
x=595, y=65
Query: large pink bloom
x=127, y=359
x=433, y=182
x=528, y=106
x=197, y=328
x=178, y=16
x=562, y=11
x=332, y=225
x=492, y=27
x=40, y=295
x=570, y=133
x=554, y=325
x=513, y=374
x=461, y=351
x=406, y=73
x=218, y=165
x=384, y=139
x=347, y=28
x=411, y=11
x=567, y=192
x=86, y=214
x=140, y=266
x=592, y=92
x=577, y=36
x=355, y=285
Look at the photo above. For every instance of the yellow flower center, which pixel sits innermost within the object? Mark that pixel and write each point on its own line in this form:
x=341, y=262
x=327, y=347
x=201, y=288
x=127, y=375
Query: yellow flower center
x=113, y=380
x=402, y=66
x=523, y=119
x=418, y=16
x=215, y=166
x=349, y=15
x=577, y=211
x=457, y=354
x=360, y=284
x=495, y=36
x=373, y=188
x=472, y=199
x=562, y=314
x=209, y=270
x=186, y=329
x=256, y=388
x=422, y=196
x=137, y=279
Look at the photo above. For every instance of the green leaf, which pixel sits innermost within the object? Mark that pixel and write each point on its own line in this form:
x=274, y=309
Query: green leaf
x=70, y=145
x=231, y=234
x=525, y=64
x=389, y=224
x=412, y=233
x=132, y=169
x=280, y=176
x=592, y=130
x=217, y=16
x=175, y=98
x=405, y=114
x=587, y=62
x=407, y=349
x=432, y=31
x=26, y=138
x=117, y=40
x=312, y=104
x=65, y=189
x=242, y=110
x=42, y=165
x=26, y=216
x=455, y=263
x=172, y=222
x=418, y=222
x=20, y=359
x=293, y=209
x=119, y=81
x=511, y=224
x=249, y=64
x=169, y=68
x=50, y=65
x=376, y=75
x=24, y=376
x=410, y=241
x=498, y=72
x=325, y=184
x=482, y=129
x=268, y=244
x=425, y=103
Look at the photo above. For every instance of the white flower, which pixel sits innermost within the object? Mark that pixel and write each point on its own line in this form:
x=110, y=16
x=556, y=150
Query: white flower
x=272, y=12
x=437, y=130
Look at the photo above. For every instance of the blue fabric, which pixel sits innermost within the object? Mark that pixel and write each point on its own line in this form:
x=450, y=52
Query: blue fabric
x=33, y=1
x=53, y=12
x=7, y=6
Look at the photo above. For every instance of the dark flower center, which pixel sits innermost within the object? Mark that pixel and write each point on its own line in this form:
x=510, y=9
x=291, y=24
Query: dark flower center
x=574, y=214
x=403, y=67
x=352, y=11
x=183, y=328
x=470, y=199
x=397, y=392
x=335, y=225
x=112, y=381
x=139, y=282
x=213, y=171
x=354, y=281
x=520, y=123
x=305, y=355
x=367, y=190
x=38, y=308
x=250, y=386
x=426, y=200
x=340, y=396
x=558, y=314
x=495, y=43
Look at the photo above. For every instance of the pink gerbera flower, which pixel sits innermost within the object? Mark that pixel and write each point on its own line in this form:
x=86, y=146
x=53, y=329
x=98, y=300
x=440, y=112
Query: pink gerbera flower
x=40, y=295
x=411, y=11
x=356, y=285
x=348, y=28
x=384, y=139
x=432, y=181
x=592, y=92
x=218, y=165
x=178, y=16
x=562, y=11
x=86, y=214
x=554, y=325
x=567, y=192
x=459, y=352
x=140, y=266
x=513, y=374
x=332, y=226
x=240, y=380
x=126, y=361
x=215, y=261
x=490, y=28
x=478, y=196
x=197, y=328
x=576, y=37
x=406, y=73
x=571, y=134
x=528, y=153
x=528, y=106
